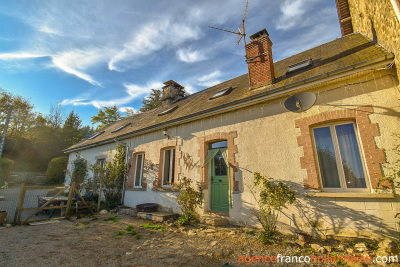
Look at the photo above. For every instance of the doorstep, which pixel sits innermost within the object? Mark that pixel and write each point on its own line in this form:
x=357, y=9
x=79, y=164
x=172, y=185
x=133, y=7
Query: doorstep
x=155, y=216
x=2, y=198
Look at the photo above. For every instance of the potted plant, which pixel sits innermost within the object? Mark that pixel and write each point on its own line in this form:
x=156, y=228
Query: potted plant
x=3, y=216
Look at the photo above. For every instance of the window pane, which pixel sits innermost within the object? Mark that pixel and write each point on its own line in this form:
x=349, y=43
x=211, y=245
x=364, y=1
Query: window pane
x=173, y=165
x=138, y=174
x=326, y=158
x=219, y=165
x=220, y=144
x=167, y=162
x=351, y=160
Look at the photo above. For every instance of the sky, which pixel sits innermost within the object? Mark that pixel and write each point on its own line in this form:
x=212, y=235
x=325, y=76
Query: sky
x=85, y=55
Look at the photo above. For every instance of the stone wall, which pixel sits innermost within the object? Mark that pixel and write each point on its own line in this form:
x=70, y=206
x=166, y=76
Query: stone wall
x=377, y=20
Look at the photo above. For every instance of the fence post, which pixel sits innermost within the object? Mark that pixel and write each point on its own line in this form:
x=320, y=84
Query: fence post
x=98, y=201
x=20, y=204
x=69, y=203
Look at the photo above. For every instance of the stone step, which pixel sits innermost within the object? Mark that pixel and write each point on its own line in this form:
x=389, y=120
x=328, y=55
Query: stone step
x=214, y=220
x=155, y=216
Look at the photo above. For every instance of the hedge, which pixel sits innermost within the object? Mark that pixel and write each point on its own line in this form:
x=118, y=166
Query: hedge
x=56, y=170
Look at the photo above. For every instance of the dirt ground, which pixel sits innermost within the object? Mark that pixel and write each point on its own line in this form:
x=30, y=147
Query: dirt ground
x=102, y=241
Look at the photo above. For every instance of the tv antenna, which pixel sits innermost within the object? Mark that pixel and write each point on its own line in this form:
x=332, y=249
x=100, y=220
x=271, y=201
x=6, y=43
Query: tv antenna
x=241, y=31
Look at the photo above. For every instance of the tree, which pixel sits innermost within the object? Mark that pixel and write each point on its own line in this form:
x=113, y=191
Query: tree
x=153, y=101
x=109, y=115
x=71, y=130
x=56, y=116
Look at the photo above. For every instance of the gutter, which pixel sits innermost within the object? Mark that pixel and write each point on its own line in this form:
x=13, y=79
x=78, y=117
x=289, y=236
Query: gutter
x=254, y=99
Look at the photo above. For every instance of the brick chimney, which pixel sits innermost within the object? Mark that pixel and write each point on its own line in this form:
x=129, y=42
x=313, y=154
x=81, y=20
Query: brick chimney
x=172, y=91
x=259, y=59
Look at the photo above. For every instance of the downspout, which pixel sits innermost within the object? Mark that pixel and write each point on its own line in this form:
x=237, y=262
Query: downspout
x=396, y=7
x=126, y=162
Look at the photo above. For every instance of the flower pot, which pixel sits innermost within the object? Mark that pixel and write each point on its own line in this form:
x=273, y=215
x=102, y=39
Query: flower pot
x=3, y=216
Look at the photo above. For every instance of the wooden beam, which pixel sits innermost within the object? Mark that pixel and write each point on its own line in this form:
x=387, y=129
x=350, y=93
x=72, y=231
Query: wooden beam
x=84, y=202
x=69, y=203
x=20, y=205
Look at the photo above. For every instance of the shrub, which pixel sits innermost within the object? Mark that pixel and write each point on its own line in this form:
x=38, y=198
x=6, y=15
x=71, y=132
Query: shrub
x=5, y=167
x=188, y=200
x=56, y=170
x=79, y=171
x=112, y=176
x=272, y=197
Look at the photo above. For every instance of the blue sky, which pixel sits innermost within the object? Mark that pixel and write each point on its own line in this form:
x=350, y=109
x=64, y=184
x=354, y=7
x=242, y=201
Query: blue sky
x=94, y=53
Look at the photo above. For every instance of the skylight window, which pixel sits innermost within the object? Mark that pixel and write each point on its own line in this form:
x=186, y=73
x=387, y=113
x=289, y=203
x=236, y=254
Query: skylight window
x=221, y=93
x=121, y=127
x=167, y=111
x=95, y=135
x=300, y=65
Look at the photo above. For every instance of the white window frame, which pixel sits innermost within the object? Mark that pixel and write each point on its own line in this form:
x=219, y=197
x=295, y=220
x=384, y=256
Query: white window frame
x=342, y=178
x=141, y=170
x=171, y=167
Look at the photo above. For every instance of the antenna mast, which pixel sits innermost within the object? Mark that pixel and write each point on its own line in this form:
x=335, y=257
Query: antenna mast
x=241, y=31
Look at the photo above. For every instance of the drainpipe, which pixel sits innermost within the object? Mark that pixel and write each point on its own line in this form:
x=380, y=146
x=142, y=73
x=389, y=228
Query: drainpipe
x=126, y=162
x=396, y=7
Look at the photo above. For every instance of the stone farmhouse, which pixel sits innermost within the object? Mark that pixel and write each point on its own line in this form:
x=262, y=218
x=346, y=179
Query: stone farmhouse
x=324, y=121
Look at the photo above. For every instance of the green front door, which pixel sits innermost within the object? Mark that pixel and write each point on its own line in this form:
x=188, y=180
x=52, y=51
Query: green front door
x=219, y=184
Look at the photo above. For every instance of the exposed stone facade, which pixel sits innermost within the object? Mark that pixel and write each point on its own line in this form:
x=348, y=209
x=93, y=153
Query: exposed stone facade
x=377, y=20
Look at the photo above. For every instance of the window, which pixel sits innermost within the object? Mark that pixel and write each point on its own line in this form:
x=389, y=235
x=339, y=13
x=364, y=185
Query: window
x=139, y=170
x=167, y=111
x=101, y=162
x=121, y=127
x=222, y=93
x=169, y=167
x=300, y=65
x=338, y=155
x=95, y=135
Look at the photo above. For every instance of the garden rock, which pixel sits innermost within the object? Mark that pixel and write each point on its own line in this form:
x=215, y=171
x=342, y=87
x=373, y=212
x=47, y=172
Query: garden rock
x=102, y=212
x=318, y=248
x=328, y=248
x=360, y=247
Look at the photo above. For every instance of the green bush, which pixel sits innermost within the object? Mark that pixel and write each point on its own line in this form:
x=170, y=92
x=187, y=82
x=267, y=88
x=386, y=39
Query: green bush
x=5, y=167
x=56, y=170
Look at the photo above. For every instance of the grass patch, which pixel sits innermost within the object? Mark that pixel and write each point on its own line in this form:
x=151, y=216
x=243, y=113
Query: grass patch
x=133, y=232
x=152, y=226
x=112, y=219
x=120, y=233
x=85, y=223
x=129, y=228
x=138, y=237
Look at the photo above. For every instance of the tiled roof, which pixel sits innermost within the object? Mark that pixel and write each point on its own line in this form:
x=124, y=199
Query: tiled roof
x=342, y=53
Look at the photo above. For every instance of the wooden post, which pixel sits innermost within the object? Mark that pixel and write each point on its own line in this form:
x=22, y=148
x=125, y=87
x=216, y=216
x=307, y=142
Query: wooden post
x=69, y=203
x=100, y=191
x=20, y=205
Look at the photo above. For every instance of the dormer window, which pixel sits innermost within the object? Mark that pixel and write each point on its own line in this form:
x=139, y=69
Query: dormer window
x=167, y=111
x=95, y=135
x=300, y=65
x=222, y=93
x=121, y=127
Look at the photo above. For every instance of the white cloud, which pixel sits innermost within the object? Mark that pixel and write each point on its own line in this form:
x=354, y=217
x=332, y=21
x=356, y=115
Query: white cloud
x=209, y=79
x=19, y=55
x=188, y=56
x=152, y=37
x=126, y=109
x=132, y=92
x=292, y=13
x=76, y=61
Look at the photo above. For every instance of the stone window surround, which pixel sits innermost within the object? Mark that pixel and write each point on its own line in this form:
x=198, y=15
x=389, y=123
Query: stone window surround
x=157, y=186
x=132, y=171
x=204, y=142
x=367, y=131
